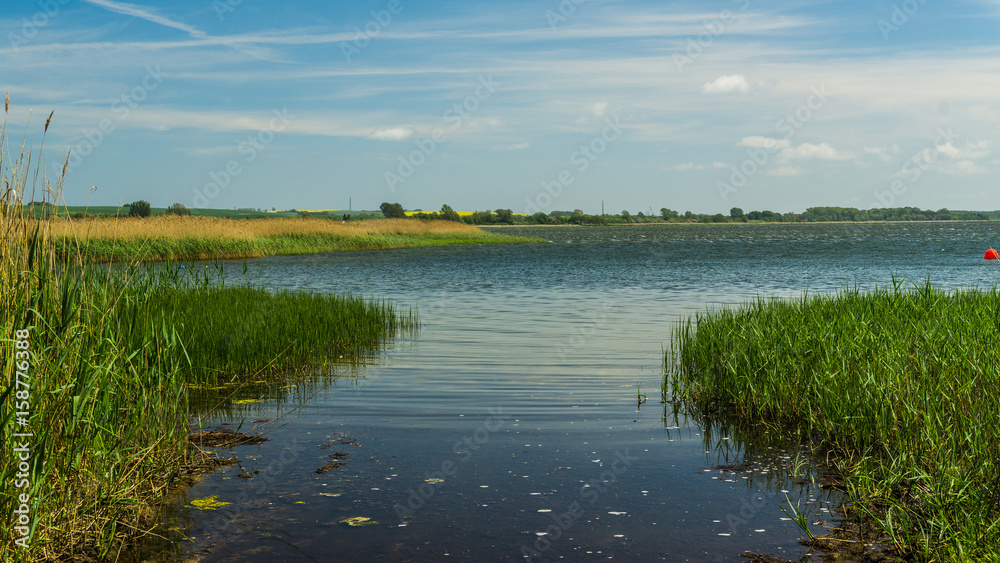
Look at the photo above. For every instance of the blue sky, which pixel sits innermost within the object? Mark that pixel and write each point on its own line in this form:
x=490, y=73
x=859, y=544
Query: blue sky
x=528, y=105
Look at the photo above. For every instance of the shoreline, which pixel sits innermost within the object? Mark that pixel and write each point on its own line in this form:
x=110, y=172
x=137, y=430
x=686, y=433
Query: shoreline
x=734, y=223
x=851, y=374
x=197, y=238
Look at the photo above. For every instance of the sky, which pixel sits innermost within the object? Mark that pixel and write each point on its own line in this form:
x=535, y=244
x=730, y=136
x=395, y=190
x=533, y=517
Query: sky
x=530, y=105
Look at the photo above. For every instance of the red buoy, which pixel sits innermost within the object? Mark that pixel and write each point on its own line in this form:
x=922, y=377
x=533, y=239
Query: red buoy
x=991, y=255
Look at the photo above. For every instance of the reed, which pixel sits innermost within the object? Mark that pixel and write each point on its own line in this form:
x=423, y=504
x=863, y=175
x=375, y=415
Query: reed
x=897, y=385
x=111, y=354
x=232, y=331
x=199, y=238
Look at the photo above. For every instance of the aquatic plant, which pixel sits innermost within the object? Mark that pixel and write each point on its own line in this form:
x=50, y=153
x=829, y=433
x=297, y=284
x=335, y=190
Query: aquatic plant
x=96, y=366
x=897, y=385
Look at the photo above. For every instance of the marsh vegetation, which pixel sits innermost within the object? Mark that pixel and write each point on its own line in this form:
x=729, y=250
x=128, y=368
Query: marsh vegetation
x=172, y=237
x=897, y=386
x=98, y=390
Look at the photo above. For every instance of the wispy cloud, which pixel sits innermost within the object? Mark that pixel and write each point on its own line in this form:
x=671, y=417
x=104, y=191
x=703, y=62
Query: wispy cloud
x=516, y=147
x=147, y=14
x=687, y=166
x=392, y=134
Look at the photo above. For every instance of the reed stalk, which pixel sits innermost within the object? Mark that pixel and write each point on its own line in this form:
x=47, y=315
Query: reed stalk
x=897, y=385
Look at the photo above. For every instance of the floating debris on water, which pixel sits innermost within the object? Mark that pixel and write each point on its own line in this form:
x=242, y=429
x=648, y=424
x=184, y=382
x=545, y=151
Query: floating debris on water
x=433, y=480
x=358, y=521
x=208, y=503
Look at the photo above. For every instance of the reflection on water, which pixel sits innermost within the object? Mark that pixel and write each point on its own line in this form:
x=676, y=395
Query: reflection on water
x=510, y=425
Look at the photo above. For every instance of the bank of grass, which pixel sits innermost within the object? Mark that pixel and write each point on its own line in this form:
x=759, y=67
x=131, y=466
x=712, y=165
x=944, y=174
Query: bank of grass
x=103, y=392
x=898, y=385
x=200, y=238
x=234, y=331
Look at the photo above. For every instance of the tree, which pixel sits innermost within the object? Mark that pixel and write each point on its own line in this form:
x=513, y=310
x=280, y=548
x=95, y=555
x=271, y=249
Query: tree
x=668, y=214
x=178, y=209
x=139, y=208
x=449, y=214
x=736, y=213
x=392, y=210
x=626, y=216
x=505, y=216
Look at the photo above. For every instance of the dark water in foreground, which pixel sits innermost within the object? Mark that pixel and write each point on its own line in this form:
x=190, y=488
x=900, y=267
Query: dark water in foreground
x=510, y=423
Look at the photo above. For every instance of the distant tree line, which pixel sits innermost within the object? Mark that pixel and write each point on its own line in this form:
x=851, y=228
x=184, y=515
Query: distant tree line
x=736, y=215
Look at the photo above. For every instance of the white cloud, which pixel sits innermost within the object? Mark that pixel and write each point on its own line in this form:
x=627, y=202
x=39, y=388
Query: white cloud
x=784, y=171
x=392, y=134
x=600, y=109
x=788, y=151
x=684, y=167
x=757, y=142
x=726, y=84
x=147, y=14
x=809, y=151
x=961, y=168
x=517, y=147
x=971, y=151
x=884, y=154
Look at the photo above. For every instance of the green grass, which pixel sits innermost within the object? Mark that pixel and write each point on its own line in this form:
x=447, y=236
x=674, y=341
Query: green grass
x=111, y=356
x=203, y=248
x=231, y=331
x=898, y=386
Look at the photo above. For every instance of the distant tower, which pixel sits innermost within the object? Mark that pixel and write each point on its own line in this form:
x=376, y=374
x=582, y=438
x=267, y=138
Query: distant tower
x=350, y=204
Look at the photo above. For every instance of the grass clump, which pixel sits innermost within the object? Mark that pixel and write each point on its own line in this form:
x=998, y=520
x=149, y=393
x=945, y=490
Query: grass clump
x=109, y=356
x=230, y=331
x=897, y=385
x=200, y=238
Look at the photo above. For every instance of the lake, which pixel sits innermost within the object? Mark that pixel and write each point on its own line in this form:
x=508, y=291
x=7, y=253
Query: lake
x=510, y=424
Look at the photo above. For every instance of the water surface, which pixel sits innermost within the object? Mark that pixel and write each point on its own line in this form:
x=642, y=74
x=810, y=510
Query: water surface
x=510, y=423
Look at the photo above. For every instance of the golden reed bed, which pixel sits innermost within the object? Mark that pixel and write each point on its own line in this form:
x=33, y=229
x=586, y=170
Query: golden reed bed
x=247, y=229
